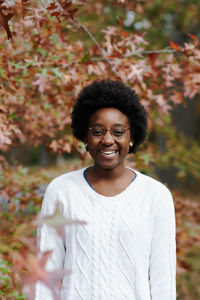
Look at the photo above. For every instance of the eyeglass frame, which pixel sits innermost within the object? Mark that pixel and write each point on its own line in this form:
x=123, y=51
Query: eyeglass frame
x=105, y=131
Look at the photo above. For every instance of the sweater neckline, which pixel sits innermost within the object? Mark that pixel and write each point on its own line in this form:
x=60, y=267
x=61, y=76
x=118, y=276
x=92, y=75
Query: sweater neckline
x=122, y=194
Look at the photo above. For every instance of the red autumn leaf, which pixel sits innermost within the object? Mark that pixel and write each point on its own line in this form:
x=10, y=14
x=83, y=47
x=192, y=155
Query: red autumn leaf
x=67, y=147
x=72, y=12
x=37, y=272
x=55, y=14
x=119, y=20
x=174, y=46
x=54, y=145
x=194, y=37
x=52, y=6
x=4, y=136
x=124, y=34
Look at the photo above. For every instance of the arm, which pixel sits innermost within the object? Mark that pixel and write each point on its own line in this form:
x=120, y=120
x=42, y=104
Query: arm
x=49, y=240
x=162, y=266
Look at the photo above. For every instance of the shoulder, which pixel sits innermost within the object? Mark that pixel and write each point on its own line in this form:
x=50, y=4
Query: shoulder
x=154, y=191
x=64, y=184
x=158, y=194
x=67, y=179
x=151, y=184
x=60, y=189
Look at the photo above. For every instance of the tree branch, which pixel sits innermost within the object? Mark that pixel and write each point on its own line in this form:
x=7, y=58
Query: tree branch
x=167, y=50
x=96, y=59
x=97, y=44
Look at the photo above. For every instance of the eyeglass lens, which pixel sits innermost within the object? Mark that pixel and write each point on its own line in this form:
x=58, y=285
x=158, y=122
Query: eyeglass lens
x=116, y=132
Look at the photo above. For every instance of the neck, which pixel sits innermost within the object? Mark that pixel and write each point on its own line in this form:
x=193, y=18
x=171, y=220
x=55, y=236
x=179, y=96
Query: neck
x=108, y=174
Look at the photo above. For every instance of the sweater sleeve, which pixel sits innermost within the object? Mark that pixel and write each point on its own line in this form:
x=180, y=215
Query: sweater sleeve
x=48, y=239
x=162, y=268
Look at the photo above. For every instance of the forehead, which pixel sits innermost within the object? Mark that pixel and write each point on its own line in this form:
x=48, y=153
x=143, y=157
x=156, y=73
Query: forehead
x=109, y=116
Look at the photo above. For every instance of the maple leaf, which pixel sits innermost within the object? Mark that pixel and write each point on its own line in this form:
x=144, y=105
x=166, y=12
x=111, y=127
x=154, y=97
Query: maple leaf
x=135, y=73
x=176, y=98
x=189, y=47
x=36, y=272
x=174, y=46
x=195, y=38
x=41, y=82
x=52, y=6
x=57, y=220
x=55, y=10
x=119, y=20
x=4, y=140
x=54, y=145
x=4, y=136
x=138, y=39
x=110, y=30
x=163, y=105
x=67, y=147
x=67, y=10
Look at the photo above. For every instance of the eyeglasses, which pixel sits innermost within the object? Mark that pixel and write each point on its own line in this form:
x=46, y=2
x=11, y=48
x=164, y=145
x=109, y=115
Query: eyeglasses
x=97, y=132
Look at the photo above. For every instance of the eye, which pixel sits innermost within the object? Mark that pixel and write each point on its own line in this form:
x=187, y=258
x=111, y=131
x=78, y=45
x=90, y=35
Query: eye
x=118, y=132
x=97, y=131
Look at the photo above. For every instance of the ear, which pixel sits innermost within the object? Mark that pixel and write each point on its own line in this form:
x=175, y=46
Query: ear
x=85, y=142
x=131, y=142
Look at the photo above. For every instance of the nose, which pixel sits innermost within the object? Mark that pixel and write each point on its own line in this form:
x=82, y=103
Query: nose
x=107, y=139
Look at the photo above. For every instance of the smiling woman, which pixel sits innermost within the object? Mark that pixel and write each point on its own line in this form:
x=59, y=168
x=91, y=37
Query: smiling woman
x=108, y=147
x=127, y=249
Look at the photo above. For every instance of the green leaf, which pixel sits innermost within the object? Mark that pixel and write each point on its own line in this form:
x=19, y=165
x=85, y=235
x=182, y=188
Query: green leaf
x=56, y=72
x=85, y=57
x=43, y=52
x=70, y=139
x=2, y=73
x=54, y=58
x=44, y=72
x=12, y=116
x=47, y=106
x=147, y=158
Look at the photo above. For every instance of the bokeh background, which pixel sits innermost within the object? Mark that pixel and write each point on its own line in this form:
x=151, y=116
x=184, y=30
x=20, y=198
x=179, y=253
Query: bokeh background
x=56, y=48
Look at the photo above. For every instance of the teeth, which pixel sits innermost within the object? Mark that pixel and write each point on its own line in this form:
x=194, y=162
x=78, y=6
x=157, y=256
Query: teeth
x=108, y=152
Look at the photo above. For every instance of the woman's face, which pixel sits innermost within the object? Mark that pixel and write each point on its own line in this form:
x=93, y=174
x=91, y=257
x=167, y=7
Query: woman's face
x=109, y=149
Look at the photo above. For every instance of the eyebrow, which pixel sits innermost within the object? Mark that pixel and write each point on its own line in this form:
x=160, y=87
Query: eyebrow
x=116, y=124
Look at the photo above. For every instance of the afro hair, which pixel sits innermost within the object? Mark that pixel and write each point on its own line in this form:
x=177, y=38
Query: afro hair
x=109, y=93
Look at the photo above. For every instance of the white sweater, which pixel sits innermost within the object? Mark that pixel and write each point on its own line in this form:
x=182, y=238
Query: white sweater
x=127, y=249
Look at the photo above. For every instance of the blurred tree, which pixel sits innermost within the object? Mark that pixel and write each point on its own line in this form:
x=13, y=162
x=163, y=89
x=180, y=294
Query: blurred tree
x=43, y=72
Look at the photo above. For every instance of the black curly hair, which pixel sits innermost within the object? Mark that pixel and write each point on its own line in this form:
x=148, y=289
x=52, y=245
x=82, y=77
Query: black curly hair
x=109, y=93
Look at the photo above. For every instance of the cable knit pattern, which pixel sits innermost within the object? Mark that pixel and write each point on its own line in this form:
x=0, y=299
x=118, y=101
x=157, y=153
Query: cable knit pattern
x=127, y=249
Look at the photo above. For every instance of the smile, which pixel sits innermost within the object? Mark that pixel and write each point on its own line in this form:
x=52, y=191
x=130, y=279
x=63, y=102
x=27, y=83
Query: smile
x=108, y=153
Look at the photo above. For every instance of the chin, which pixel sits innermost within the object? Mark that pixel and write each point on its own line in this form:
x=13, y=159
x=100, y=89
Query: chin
x=107, y=166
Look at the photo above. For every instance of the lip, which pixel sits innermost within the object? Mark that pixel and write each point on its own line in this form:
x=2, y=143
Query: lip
x=108, y=154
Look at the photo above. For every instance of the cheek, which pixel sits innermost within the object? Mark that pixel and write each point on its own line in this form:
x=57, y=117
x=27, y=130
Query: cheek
x=126, y=145
x=126, y=149
x=91, y=145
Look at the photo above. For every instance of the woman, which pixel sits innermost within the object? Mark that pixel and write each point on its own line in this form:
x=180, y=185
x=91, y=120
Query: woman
x=127, y=248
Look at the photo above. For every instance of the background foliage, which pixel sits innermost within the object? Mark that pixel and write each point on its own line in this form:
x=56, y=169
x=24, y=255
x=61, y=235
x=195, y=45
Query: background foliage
x=49, y=51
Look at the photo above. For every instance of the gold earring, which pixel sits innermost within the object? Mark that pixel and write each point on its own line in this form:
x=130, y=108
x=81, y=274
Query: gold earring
x=86, y=147
x=131, y=144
